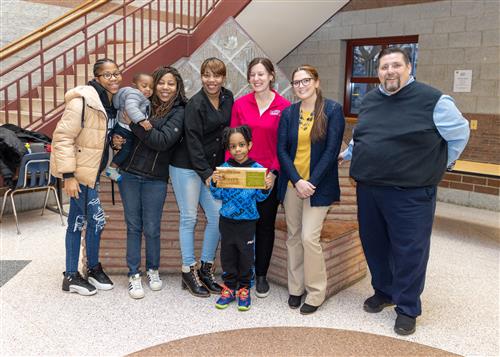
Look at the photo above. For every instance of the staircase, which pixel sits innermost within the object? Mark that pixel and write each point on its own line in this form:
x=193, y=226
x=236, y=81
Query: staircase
x=138, y=34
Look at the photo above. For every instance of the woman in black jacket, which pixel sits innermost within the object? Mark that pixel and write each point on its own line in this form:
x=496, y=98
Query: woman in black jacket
x=208, y=112
x=143, y=187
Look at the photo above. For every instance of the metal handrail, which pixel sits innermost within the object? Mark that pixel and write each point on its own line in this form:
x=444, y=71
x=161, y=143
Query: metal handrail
x=51, y=27
x=105, y=40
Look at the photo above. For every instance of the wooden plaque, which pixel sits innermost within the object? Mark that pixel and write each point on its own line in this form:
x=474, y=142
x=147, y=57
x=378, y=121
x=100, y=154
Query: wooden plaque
x=242, y=177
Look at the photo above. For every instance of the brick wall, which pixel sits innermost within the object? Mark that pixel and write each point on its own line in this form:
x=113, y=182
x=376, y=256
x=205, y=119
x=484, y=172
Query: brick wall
x=340, y=238
x=472, y=183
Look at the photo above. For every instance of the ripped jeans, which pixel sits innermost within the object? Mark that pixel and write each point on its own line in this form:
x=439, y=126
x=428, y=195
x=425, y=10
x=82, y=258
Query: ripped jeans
x=84, y=212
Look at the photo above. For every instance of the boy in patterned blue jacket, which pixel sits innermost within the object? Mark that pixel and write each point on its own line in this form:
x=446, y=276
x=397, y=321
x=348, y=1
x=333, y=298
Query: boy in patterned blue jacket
x=238, y=219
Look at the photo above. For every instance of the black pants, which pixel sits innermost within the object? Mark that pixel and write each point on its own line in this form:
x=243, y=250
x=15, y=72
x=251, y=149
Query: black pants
x=264, y=235
x=395, y=226
x=237, y=250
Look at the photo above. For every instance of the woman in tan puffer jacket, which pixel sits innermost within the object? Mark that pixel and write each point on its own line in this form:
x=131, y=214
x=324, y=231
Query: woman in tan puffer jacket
x=79, y=154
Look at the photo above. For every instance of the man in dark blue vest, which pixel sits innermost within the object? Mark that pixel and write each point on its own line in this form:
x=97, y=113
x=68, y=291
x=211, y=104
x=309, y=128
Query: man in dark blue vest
x=406, y=136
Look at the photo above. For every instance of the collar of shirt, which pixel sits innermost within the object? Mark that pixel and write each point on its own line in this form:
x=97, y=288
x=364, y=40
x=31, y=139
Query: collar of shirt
x=381, y=87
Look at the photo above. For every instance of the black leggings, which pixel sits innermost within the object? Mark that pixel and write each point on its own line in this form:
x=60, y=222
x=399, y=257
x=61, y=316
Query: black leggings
x=264, y=234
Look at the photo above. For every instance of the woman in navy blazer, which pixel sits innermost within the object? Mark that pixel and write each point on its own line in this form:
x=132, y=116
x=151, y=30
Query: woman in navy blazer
x=308, y=146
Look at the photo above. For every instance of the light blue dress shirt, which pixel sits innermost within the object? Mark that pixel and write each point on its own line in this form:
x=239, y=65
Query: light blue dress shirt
x=450, y=123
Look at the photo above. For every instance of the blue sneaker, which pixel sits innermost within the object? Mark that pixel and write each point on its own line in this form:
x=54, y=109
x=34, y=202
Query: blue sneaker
x=226, y=297
x=244, y=299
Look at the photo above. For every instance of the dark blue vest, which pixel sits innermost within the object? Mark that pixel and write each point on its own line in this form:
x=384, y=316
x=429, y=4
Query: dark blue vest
x=396, y=142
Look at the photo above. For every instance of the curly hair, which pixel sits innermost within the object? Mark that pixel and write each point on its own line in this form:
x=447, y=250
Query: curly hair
x=161, y=108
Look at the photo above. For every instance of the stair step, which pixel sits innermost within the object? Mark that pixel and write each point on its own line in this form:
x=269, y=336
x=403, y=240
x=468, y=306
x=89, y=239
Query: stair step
x=49, y=93
x=36, y=104
x=80, y=70
x=118, y=58
x=25, y=117
x=70, y=80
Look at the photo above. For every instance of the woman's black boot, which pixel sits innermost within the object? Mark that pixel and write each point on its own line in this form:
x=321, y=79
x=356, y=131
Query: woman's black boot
x=207, y=277
x=191, y=281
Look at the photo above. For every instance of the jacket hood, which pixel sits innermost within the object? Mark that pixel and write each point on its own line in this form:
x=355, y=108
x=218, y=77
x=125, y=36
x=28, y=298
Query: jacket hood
x=89, y=93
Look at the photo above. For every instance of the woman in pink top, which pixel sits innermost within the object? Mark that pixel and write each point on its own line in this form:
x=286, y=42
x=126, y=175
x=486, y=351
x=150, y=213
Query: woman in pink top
x=261, y=111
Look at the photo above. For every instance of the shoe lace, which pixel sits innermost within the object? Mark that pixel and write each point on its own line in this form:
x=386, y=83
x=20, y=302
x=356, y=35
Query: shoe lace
x=154, y=276
x=196, y=277
x=226, y=292
x=243, y=294
x=136, y=283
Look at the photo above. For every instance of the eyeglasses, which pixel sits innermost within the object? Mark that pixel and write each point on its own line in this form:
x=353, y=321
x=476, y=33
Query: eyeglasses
x=304, y=81
x=107, y=76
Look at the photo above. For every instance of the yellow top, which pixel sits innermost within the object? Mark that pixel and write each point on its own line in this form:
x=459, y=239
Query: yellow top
x=302, y=160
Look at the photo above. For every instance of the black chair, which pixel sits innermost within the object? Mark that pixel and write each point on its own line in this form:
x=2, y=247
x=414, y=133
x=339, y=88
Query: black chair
x=34, y=175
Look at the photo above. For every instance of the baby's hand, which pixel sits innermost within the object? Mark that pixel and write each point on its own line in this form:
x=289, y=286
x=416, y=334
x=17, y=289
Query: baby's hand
x=146, y=124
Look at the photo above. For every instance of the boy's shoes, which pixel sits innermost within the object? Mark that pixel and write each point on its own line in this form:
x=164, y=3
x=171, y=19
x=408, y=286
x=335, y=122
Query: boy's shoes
x=244, y=299
x=261, y=286
x=226, y=297
x=405, y=325
x=113, y=174
x=376, y=303
x=155, y=282
x=135, y=289
x=294, y=301
x=75, y=283
x=98, y=278
x=307, y=309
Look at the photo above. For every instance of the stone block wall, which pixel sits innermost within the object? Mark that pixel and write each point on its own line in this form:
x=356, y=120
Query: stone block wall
x=453, y=34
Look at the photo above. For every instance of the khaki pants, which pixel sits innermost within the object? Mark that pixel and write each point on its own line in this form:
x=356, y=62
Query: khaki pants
x=306, y=265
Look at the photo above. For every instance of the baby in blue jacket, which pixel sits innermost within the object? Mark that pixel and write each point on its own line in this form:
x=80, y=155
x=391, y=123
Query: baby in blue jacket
x=238, y=219
x=132, y=104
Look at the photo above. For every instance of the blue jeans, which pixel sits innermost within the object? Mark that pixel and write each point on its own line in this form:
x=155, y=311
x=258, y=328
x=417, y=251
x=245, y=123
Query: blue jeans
x=143, y=201
x=127, y=146
x=189, y=191
x=84, y=212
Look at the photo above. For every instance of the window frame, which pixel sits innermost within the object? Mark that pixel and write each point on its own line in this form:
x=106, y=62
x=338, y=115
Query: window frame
x=384, y=42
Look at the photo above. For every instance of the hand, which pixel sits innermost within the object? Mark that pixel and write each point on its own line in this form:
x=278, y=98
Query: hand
x=217, y=176
x=270, y=179
x=126, y=119
x=72, y=187
x=118, y=141
x=146, y=125
x=207, y=181
x=340, y=159
x=304, y=188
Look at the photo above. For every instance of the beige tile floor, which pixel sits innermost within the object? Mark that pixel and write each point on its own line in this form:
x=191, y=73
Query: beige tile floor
x=460, y=302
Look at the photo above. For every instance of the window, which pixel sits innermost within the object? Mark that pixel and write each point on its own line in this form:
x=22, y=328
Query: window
x=361, y=66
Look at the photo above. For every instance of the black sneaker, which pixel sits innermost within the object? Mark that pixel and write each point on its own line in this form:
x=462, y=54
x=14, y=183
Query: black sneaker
x=98, y=278
x=405, y=325
x=75, y=283
x=261, y=286
x=294, y=301
x=307, y=309
x=376, y=303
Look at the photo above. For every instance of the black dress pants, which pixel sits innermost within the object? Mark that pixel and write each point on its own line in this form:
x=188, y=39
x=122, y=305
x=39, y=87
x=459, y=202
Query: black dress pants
x=237, y=251
x=264, y=235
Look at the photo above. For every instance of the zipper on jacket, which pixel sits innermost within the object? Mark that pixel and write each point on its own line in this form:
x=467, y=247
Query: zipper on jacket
x=154, y=162
x=132, y=157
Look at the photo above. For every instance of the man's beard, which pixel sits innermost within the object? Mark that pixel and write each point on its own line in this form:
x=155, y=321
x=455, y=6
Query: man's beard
x=393, y=87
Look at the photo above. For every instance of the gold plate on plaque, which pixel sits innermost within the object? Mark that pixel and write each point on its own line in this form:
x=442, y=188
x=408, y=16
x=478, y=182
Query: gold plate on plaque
x=242, y=177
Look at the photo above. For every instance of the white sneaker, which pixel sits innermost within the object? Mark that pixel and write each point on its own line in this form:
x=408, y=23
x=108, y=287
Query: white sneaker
x=135, y=289
x=155, y=282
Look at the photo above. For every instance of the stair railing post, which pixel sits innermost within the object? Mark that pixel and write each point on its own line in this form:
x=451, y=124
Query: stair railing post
x=42, y=80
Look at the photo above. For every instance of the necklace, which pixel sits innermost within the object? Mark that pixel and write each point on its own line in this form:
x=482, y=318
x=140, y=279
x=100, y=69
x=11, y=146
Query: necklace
x=305, y=122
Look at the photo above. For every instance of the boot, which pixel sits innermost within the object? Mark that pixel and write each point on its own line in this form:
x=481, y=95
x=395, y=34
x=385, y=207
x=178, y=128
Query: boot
x=207, y=277
x=191, y=281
